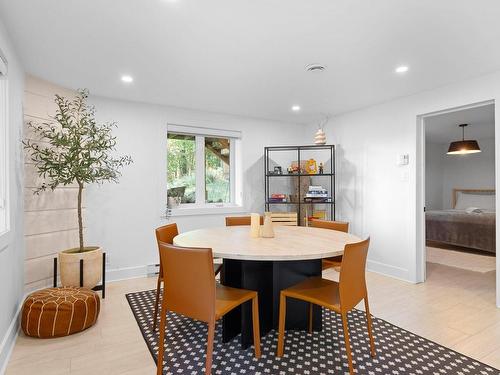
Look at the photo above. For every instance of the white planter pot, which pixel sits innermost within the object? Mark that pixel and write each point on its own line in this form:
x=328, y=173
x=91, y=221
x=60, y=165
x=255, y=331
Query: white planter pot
x=69, y=265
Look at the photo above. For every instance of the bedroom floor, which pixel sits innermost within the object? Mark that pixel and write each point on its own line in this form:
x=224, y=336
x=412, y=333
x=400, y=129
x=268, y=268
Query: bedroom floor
x=458, y=257
x=454, y=307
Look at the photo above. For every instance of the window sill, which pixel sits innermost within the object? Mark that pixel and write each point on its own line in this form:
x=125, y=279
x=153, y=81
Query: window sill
x=194, y=211
x=4, y=240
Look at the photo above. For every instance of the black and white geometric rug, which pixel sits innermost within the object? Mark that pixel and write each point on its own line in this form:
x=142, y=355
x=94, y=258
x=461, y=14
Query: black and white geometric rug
x=398, y=351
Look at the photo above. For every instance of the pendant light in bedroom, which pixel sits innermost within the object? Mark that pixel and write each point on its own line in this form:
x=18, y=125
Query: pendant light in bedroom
x=465, y=146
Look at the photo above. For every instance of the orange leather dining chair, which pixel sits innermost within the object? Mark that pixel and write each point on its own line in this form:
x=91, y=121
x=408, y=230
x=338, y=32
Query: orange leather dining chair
x=190, y=290
x=240, y=220
x=166, y=234
x=340, y=297
x=341, y=226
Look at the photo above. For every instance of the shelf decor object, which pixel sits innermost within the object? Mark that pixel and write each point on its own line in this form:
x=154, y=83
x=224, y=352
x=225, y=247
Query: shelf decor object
x=321, y=198
x=311, y=166
x=320, y=137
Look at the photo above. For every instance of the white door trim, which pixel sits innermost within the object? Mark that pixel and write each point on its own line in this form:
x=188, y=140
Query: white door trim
x=420, y=188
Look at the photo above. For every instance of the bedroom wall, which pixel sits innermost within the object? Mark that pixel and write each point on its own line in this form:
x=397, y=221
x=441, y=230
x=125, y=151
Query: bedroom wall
x=122, y=217
x=446, y=172
x=378, y=196
x=12, y=242
x=474, y=171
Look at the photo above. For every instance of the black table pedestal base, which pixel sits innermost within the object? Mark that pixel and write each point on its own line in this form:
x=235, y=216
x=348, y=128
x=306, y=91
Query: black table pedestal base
x=268, y=278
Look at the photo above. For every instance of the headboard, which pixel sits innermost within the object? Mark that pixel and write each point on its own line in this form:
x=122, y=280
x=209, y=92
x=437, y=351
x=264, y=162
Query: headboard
x=468, y=191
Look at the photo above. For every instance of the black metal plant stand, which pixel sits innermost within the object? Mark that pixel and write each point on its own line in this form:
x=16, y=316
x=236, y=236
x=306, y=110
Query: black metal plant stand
x=101, y=287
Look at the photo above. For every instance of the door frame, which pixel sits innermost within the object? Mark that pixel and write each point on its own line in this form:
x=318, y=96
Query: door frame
x=420, y=189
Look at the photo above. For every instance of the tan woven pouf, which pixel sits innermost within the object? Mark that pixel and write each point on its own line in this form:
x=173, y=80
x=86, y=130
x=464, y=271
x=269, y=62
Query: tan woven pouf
x=57, y=312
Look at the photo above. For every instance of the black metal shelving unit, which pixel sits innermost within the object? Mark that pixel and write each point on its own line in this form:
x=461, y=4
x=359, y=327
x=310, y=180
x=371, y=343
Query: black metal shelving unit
x=301, y=201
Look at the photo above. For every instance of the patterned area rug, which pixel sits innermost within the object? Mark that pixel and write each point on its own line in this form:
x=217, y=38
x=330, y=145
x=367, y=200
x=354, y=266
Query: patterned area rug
x=398, y=351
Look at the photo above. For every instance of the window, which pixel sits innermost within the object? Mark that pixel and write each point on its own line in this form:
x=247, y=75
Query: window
x=4, y=183
x=201, y=167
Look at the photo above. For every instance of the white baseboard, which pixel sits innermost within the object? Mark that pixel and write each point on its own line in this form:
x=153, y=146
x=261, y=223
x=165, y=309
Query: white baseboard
x=125, y=273
x=388, y=270
x=9, y=340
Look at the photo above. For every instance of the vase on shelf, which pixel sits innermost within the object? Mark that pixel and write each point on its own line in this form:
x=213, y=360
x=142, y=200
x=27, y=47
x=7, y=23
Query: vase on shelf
x=267, y=228
x=320, y=137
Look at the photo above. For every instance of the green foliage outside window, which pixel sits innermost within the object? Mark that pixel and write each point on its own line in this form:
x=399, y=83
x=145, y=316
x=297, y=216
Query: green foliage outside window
x=181, y=168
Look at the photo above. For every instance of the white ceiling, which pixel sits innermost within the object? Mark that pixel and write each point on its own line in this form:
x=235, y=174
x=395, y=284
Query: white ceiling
x=444, y=128
x=248, y=57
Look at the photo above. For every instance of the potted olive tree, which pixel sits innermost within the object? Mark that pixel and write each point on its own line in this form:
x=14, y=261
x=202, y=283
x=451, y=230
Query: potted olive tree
x=74, y=149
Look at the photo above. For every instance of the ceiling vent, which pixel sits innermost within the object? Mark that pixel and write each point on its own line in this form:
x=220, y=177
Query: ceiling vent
x=315, y=68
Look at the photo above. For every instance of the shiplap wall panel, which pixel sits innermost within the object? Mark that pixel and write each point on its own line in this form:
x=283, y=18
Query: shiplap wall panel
x=41, y=245
x=38, y=269
x=51, y=222
x=37, y=107
x=48, y=221
x=59, y=199
x=32, y=180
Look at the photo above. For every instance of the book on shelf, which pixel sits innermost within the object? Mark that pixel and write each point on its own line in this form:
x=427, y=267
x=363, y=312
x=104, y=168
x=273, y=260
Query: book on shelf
x=318, y=199
x=316, y=192
x=277, y=198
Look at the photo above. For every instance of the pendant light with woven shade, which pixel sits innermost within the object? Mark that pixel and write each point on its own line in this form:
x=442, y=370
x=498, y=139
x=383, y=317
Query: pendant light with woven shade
x=465, y=146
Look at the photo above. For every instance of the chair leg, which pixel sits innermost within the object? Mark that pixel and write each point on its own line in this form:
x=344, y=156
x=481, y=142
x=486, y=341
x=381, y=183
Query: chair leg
x=310, y=317
x=281, y=325
x=347, y=343
x=256, y=326
x=161, y=339
x=370, y=330
x=210, y=347
x=157, y=303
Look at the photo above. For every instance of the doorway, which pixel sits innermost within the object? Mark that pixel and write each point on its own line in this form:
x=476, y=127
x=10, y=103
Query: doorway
x=456, y=200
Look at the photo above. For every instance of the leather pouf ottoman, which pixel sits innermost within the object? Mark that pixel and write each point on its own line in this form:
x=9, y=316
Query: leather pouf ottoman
x=57, y=312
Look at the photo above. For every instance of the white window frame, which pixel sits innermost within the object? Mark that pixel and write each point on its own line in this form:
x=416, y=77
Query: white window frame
x=200, y=207
x=4, y=154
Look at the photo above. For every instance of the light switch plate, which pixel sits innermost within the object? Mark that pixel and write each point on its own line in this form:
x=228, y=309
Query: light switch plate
x=403, y=159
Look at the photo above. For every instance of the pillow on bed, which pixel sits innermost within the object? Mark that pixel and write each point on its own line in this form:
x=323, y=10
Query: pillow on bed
x=484, y=201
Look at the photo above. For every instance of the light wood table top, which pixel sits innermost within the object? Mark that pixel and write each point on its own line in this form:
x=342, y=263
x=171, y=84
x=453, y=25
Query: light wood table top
x=289, y=243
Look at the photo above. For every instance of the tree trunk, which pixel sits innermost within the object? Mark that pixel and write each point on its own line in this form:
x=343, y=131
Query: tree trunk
x=80, y=220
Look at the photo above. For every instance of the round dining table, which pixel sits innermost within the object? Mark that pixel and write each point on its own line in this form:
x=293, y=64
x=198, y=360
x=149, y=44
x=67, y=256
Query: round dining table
x=268, y=265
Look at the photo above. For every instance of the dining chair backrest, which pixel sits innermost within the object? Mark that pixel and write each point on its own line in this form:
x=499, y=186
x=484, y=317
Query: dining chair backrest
x=352, y=281
x=167, y=233
x=240, y=220
x=341, y=226
x=189, y=281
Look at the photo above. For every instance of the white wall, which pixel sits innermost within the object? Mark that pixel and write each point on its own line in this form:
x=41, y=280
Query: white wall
x=12, y=245
x=122, y=217
x=434, y=175
x=377, y=196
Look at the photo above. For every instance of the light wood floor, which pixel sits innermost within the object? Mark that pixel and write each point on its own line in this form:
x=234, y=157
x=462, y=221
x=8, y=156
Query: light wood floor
x=455, y=308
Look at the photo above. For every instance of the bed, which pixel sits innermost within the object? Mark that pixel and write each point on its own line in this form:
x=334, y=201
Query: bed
x=471, y=223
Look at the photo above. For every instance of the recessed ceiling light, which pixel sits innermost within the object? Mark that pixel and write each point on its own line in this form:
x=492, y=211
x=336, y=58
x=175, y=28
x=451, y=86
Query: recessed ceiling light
x=296, y=108
x=402, y=69
x=127, y=79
